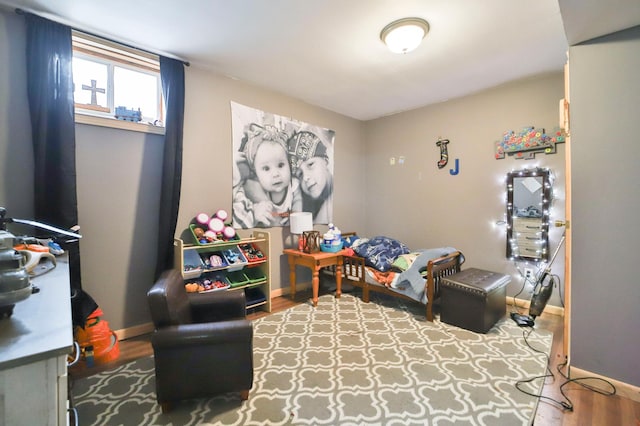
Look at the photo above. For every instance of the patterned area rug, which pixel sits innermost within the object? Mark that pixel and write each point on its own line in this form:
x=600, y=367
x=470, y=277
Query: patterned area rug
x=347, y=363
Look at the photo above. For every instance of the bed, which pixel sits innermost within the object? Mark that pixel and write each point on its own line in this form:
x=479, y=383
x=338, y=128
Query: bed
x=385, y=265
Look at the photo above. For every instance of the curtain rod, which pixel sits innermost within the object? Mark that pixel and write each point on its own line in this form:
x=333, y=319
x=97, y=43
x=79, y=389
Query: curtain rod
x=25, y=12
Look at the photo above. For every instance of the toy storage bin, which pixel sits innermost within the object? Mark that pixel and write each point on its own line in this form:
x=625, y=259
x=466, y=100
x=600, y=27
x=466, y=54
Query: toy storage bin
x=192, y=265
x=204, y=228
x=237, y=278
x=254, y=295
x=255, y=275
x=234, y=258
x=252, y=253
x=219, y=262
x=474, y=299
x=220, y=279
x=223, y=286
x=196, y=240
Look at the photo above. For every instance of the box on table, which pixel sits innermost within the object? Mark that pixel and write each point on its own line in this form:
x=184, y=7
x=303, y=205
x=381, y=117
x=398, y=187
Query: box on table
x=474, y=299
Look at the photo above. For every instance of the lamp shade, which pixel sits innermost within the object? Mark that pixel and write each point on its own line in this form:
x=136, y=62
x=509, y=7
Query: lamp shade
x=300, y=222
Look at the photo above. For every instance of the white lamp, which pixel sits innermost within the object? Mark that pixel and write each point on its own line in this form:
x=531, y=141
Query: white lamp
x=300, y=222
x=404, y=35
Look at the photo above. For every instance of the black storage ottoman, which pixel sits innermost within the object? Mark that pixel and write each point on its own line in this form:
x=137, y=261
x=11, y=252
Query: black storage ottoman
x=473, y=299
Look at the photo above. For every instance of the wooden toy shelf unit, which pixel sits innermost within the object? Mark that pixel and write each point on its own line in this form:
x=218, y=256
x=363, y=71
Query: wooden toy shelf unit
x=235, y=265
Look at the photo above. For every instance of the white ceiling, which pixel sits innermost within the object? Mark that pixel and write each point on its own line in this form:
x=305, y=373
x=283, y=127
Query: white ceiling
x=588, y=19
x=328, y=52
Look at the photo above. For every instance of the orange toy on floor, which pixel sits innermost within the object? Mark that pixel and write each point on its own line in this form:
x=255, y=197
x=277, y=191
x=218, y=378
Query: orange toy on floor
x=98, y=343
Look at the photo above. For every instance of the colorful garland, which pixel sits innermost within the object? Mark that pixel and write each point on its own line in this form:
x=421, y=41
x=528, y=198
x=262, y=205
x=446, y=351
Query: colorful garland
x=528, y=142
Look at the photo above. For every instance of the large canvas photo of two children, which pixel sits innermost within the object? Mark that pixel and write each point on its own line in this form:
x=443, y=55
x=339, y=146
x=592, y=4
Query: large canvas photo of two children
x=280, y=165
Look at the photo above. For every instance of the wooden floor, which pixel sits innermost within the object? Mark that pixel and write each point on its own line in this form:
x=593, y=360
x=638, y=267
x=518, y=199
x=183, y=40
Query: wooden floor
x=589, y=407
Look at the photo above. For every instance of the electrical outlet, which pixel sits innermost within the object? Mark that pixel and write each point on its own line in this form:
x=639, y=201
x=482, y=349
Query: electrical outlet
x=528, y=273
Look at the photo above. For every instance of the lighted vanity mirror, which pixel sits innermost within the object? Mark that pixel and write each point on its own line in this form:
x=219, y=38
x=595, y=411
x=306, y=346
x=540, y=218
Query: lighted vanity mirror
x=528, y=203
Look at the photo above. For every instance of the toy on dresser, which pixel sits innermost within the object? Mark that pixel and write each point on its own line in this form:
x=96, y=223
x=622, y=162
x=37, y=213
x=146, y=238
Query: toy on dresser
x=209, y=229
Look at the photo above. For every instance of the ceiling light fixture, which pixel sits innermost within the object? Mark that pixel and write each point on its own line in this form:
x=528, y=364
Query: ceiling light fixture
x=404, y=35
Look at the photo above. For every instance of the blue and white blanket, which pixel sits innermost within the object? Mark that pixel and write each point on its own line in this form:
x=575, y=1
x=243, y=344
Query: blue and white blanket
x=381, y=252
x=412, y=281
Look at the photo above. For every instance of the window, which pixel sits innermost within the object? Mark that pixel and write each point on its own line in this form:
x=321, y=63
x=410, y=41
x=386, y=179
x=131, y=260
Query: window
x=114, y=84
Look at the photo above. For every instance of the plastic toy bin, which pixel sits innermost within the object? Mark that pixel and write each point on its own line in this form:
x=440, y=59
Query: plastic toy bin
x=254, y=296
x=213, y=260
x=192, y=228
x=252, y=252
x=193, y=266
x=212, y=282
x=255, y=275
x=237, y=278
x=234, y=258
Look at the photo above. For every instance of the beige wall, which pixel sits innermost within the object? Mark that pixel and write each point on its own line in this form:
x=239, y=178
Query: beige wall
x=416, y=202
x=605, y=319
x=206, y=181
x=118, y=188
x=16, y=180
x=118, y=174
x=428, y=207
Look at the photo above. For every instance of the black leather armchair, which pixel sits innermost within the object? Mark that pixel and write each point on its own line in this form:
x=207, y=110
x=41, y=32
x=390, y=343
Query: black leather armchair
x=202, y=342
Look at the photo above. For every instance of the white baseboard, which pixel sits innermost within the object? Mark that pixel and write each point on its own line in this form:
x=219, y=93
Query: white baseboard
x=139, y=330
x=520, y=303
x=135, y=331
x=623, y=389
x=524, y=304
x=286, y=290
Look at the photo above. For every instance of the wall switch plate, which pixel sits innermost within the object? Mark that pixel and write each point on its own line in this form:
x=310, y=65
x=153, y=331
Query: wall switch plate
x=528, y=273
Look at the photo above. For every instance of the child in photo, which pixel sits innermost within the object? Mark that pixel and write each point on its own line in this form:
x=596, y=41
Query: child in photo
x=268, y=193
x=310, y=163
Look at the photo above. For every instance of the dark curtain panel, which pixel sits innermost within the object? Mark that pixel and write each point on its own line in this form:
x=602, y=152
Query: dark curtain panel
x=50, y=93
x=172, y=73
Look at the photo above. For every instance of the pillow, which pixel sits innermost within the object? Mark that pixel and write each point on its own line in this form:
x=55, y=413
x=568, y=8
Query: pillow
x=379, y=252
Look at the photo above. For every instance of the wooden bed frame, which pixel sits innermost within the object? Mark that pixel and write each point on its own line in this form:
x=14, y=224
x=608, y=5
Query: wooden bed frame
x=353, y=270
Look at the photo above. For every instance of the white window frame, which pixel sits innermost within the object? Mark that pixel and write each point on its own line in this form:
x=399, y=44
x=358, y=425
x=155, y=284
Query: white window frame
x=113, y=54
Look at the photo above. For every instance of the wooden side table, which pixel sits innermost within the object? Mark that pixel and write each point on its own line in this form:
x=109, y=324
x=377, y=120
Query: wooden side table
x=315, y=262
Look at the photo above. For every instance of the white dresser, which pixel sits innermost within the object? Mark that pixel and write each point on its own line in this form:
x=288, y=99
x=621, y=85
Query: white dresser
x=528, y=235
x=34, y=344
